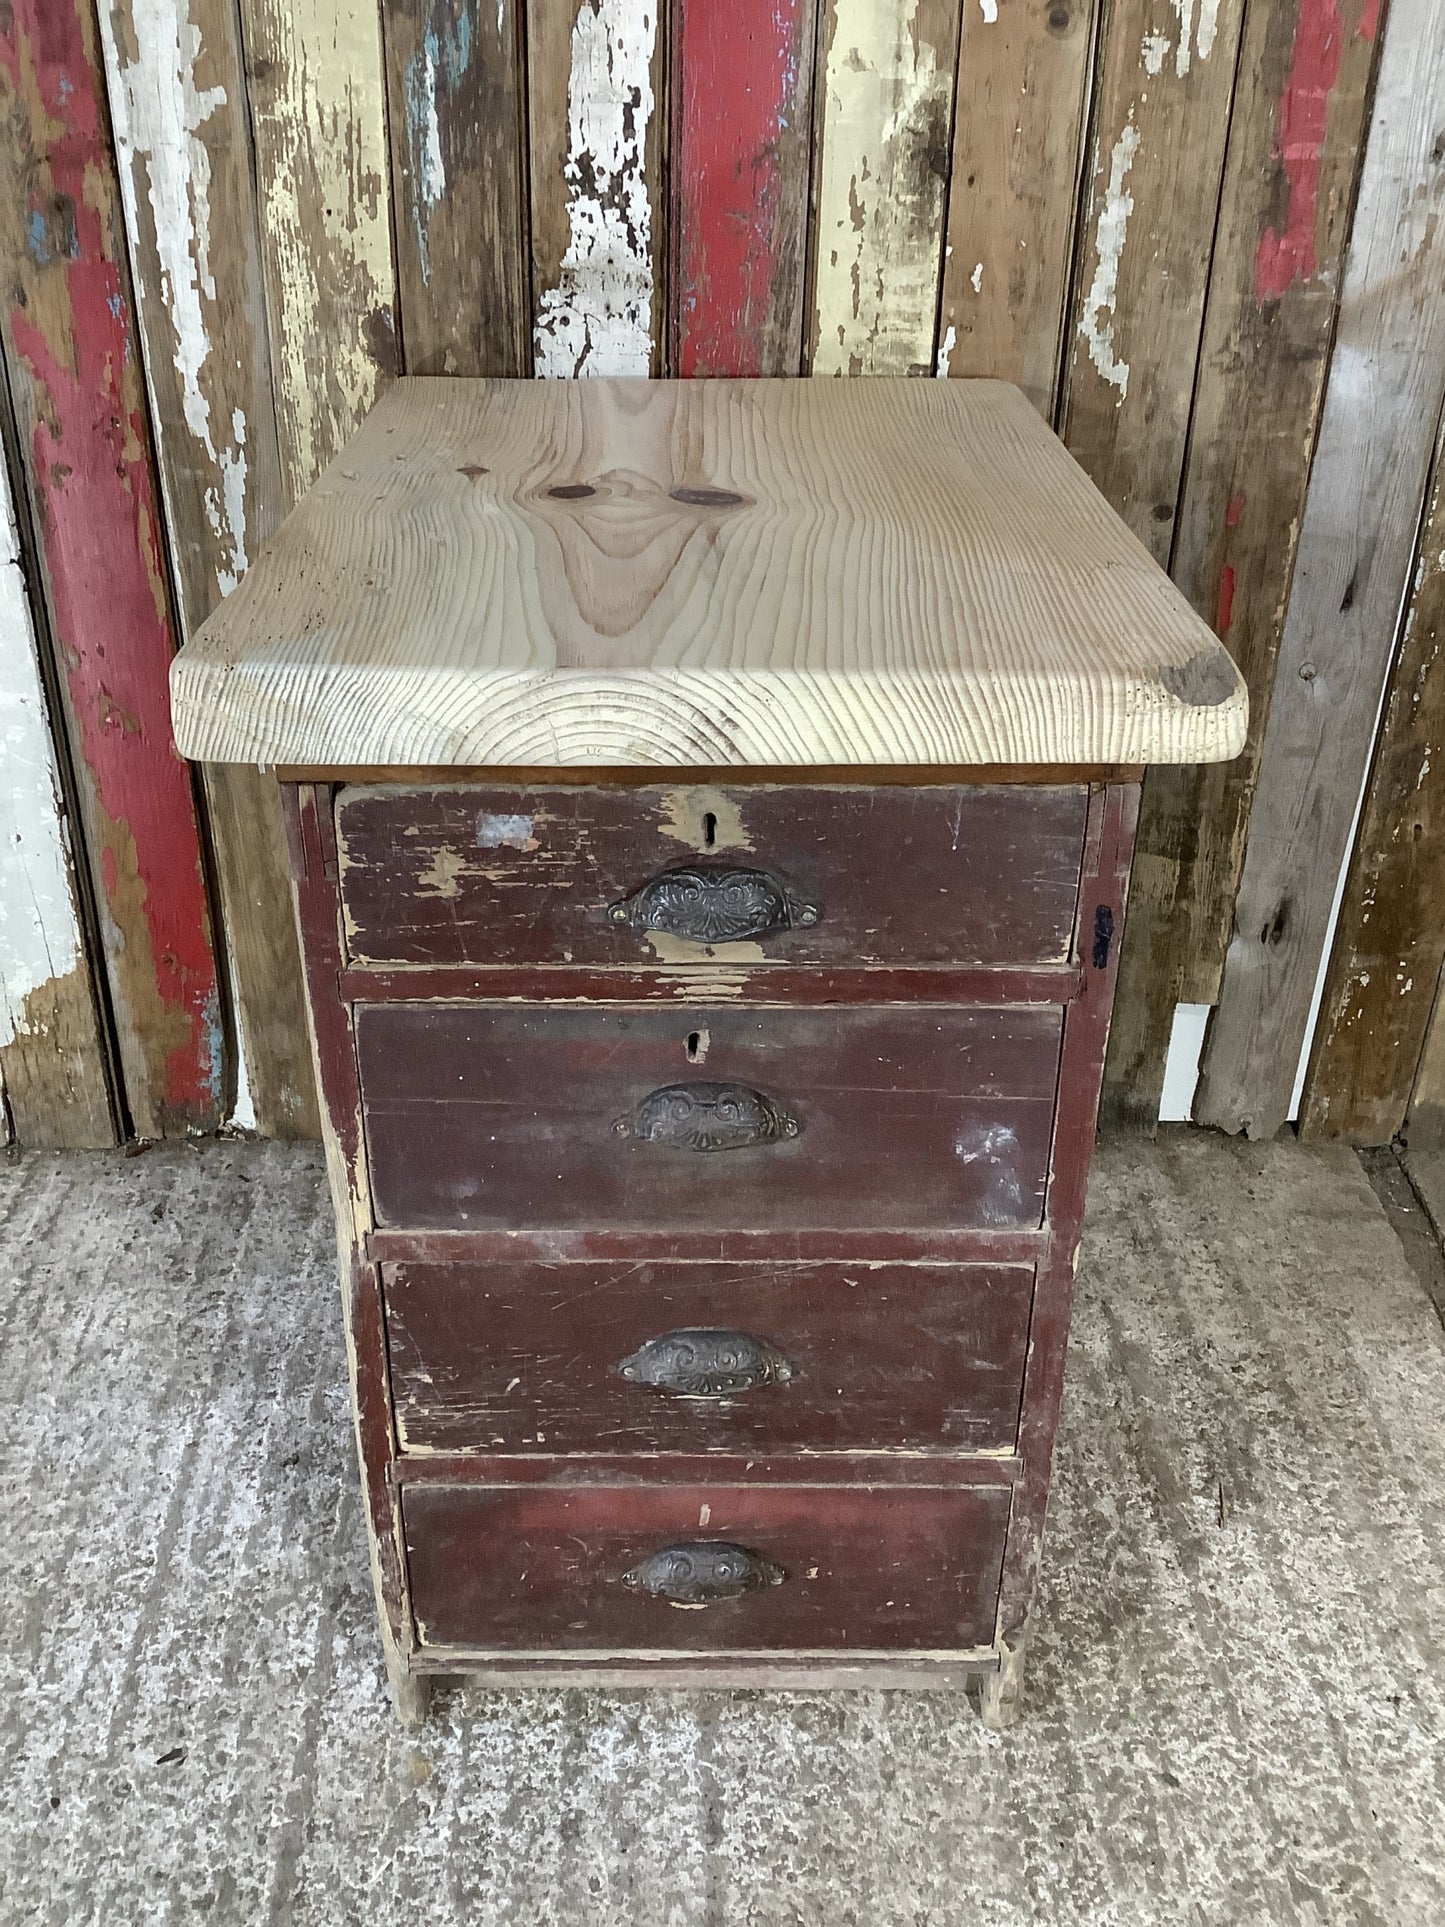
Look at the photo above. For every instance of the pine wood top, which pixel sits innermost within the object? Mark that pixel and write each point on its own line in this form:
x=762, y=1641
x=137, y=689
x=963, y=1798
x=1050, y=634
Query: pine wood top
x=730, y=573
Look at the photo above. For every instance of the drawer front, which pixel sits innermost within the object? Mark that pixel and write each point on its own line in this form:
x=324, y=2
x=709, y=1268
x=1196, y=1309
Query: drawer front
x=840, y=877
x=823, y=1568
x=503, y=1116
x=707, y=1357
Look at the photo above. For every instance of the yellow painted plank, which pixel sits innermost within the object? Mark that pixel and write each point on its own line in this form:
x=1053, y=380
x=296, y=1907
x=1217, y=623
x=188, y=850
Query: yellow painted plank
x=318, y=107
x=884, y=116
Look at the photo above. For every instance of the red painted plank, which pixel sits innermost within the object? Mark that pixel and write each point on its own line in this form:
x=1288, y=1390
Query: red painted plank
x=742, y=82
x=80, y=398
x=1287, y=253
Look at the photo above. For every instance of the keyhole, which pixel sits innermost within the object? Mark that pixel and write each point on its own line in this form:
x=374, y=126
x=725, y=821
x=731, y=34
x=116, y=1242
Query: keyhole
x=709, y=830
x=697, y=1042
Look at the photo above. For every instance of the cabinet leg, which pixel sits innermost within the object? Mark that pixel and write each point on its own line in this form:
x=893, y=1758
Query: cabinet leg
x=410, y=1692
x=999, y=1701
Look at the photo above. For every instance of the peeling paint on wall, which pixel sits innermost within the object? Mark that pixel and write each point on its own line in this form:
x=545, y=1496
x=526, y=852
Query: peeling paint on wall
x=1097, y=325
x=39, y=930
x=886, y=112
x=598, y=318
x=440, y=63
x=81, y=404
x=158, y=110
x=318, y=103
x=1287, y=253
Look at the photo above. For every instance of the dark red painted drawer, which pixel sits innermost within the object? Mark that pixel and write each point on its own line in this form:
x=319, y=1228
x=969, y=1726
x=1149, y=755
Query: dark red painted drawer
x=833, y=1357
x=526, y=1116
x=933, y=875
x=509, y=1569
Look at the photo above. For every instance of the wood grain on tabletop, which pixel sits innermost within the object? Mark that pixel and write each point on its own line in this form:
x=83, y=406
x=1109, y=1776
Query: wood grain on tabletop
x=1024, y=77
x=1356, y=550
x=176, y=76
x=722, y=573
x=1295, y=131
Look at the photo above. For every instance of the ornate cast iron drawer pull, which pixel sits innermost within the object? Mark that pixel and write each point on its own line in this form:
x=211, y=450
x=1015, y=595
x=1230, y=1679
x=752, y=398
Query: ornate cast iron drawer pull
x=701, y=1363
x=702, y=1573
x=708, y=1117
x=713, y=906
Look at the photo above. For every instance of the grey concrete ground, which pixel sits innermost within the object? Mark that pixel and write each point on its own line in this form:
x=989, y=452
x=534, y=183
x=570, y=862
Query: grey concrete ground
x=1235, y=1711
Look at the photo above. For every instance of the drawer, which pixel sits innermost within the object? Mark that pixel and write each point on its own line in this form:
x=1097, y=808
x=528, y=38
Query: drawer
x=515, y=1116
x=819, y=1357
x=834, y=876
x=509, y=1569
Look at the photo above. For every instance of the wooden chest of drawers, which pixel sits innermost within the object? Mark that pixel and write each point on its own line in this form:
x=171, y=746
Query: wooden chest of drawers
x=709, y=1149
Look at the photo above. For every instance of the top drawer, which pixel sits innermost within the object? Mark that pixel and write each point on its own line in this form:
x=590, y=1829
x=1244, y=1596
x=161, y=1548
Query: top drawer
x=635, y=877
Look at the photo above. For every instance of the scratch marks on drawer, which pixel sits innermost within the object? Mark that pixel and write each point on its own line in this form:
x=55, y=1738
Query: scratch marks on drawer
x=993, y=1147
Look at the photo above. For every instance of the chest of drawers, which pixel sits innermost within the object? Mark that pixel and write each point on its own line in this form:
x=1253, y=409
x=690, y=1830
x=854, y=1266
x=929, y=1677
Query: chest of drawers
x=709, y=1050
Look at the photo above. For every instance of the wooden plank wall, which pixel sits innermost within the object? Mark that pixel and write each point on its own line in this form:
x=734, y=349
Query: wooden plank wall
x=1177, y=224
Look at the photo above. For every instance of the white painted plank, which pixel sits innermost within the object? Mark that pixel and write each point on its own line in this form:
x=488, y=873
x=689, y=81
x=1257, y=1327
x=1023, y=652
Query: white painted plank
x=54, y=1082
x=597, y=317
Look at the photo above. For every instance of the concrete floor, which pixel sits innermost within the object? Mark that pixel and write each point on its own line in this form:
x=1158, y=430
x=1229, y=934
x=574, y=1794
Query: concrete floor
x=1236, y=1706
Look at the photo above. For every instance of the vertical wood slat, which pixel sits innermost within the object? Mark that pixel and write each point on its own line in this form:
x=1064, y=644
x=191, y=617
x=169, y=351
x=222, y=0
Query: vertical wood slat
x=1390, y=941
x=742, y=79
x=54, y=1090
x=318, y=110
x=178, y=108
x=1298, y=121
x=1376, y=435
x=597, y=123
x=454, y=100
x=80, y=408
x=883, y=118
x=1166, y=77
x=1425, y=1124
x=1024, y=73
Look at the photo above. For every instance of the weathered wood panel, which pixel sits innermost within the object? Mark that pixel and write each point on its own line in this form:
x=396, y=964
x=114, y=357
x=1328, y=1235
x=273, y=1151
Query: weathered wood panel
x=74, y=369
x=318, y=111
x=1295, y=132
x=53, y=1083
x=884, y=112
x=454, y=98
x=1425, y=1125
x=1390, y=940
x=596, y=77
x=518, y=1568
x=915, y=1358
x=1023, y=88
x=1356, y=545
x=178, y=107
x=1166, y=75
x=914, y=1117
x=898, y=876
x=742, y=102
